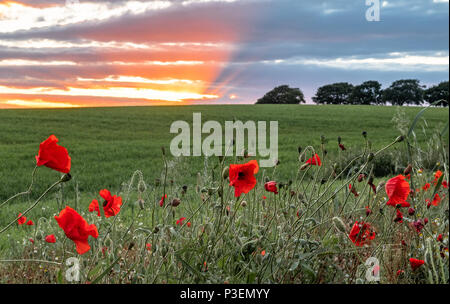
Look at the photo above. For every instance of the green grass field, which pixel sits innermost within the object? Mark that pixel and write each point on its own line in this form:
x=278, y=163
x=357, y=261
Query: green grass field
x=108, y=144
x=228, y=234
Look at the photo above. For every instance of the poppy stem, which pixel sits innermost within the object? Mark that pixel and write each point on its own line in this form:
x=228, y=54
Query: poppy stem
x=32, y=206
x=22, y=193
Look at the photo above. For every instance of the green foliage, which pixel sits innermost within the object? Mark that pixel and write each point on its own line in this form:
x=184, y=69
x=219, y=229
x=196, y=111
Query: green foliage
x=367, y=93
x=283, y=95
x=336, y=93
x=438, y=92
x=405, y=91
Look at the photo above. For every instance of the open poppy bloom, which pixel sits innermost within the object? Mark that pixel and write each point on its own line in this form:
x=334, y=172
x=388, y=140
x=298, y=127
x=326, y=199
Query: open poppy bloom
x=342, y=147
x=437, y=176
x=76, y=228
x=436, y=200
x=445, y=184
x=353, y=190
x=361, y=233
x=21, y=220
x=180, y=221
x=440, y=238
x=111, y=205
x=397, y=189
x=148, y=246
x=161, y=202
x=50, y=238
x=30, y=223
x=426, y=187
x=399, y=217
x=242, y=177
x=415, y=263
x=314, y=161
x=271, y=187
x=53, y=155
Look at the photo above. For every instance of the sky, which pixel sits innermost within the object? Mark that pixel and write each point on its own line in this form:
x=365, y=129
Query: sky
x=78, y=53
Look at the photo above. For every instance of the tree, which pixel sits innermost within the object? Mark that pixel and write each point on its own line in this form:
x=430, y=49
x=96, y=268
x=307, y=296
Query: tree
x=283, y=95
x=336, y=93
x=438, y=92
x=405, y=91
x=367, y=93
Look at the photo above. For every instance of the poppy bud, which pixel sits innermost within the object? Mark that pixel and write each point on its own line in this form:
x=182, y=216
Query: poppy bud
x=245, y=153
x=142, y=187
x=364, y=134
x=425, y=220
x=400, y=139
x=299, y=149
x=157, y=182
x=163, y=151
x=65, y=178
x=225, y=172
x=156, y=229
x=339, y=224
x=339, y=139
x=175, y=202
x=361, y=177
x=244, y=204
x=408, y=170
x=131, y=246
x=322, y=139
x=141, y=204
x=370, y=157
x=411, y=211
x=185, y=188
x=368, y=211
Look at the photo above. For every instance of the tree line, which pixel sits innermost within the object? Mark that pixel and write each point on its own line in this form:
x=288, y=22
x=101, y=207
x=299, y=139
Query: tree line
x=401, y=92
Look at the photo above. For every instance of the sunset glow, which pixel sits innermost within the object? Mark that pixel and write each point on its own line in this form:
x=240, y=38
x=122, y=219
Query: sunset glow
x=90, y=53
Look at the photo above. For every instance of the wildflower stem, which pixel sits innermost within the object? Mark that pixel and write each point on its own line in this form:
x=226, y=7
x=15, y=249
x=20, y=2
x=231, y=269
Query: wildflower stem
x=32, y=206
x=22, y=193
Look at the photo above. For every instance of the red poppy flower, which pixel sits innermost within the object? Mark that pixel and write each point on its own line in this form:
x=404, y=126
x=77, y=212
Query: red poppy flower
x=440, y=238
x=418, y=225
x=425, y=220
x=264, y=197
x=437, y=176
x=53, y=155
x=76, y=228
x=426, y=187
x=30, y=223
x=188, y=224
x=399, y=272
x=436, y=200
x=399, y=217
x=314, y=161
x=445, y=184
x=148, y=246
x=271, y=187
x=50, y=238
x=361, y=233
x=21, y=220
x=368, y=211
x=93, y=206
x=415, y=263
x=397, y=189
x=374, y=188
x=353, y=190
x=342, y=147
x=31, y=240
x=242, y=177
x=111, y=205
x=161, y=202
x=411, y=211
x=263, y=253
x=180, y=221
